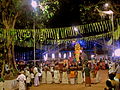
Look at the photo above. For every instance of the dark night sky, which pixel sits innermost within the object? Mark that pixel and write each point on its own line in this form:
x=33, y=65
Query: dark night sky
x=69, y=13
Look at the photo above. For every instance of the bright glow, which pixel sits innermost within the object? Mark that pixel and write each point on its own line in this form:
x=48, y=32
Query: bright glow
x=76, y=29
x=70, y=54
x=46, y=55
x=45, y=58
x=80, y=51
x=64, y=55
x=92, y=56
x=34, y=4
x=53, y=55
x=106, y=4
x=74, y=41
x=59, y=55
x=117, y=52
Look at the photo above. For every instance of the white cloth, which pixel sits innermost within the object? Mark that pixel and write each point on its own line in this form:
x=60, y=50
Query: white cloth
x=51, y=69
x=32, y=75
x=111, y=68
x=36, y=79
x=98, y=77
x=43, y=77
x=79, y=77
x=28, y=79
x=35, y=70
x=56, y=76
x=72, y=80
x=64, y=78
x=21, y=78
x=49, y=77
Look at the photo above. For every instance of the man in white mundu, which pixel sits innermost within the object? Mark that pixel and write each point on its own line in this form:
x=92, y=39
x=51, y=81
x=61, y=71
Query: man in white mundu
x=56, y=75
x=21, y=79
x=43, y=76
x=28, y=77
x=49, y=76
x=64, y=76
x=79, y=76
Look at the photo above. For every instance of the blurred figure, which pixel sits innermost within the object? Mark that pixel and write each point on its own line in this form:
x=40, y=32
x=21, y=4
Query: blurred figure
x=36, y=79
x=111, y=83
x=43, y=75
x=79, y=75
x=49, y=76
x=64, y=76
x=118, y=72
x=56, y=75
x=21, y=79
x=97, y=72
x=87, y=75
x=28, y=78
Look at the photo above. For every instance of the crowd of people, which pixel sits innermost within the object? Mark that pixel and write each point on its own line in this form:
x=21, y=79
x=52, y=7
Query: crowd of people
x=64, y=72
x=68, y=72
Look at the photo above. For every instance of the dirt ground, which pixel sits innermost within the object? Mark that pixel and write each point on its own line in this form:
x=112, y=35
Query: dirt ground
x=99, y=86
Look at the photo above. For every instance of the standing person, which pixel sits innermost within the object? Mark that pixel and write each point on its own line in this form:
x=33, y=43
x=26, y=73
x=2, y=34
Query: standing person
x=64, y=76
x=1, y=83
x=32, y=77
x=35, y=70
x=56, y=75
x=36, y=79
x=79, y=75
x=49, y=76
x=118, y=72
x=43, y=75
x=72, y=75
x=87, y=75
x=21, y=79
x=28, y=78
x=97, y=72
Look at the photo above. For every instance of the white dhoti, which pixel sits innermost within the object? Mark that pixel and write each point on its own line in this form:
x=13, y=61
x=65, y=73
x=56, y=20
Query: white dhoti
x=43, y=77
x=49, y=77
x=36, y=80
x=21, y=78
x=98, y=77
x=22, y=86
x=72, y=80
x=64, y=78
x=56, y=76
x=79, y=77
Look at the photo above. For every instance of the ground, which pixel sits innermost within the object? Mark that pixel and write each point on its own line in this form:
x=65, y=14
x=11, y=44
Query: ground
x=99, y=86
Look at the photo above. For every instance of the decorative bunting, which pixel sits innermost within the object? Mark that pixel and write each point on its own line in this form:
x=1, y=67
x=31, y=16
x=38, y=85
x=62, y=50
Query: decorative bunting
x=53, y=35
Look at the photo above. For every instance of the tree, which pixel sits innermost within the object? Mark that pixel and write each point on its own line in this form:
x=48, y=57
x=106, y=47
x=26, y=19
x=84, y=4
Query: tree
x=11, y=12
